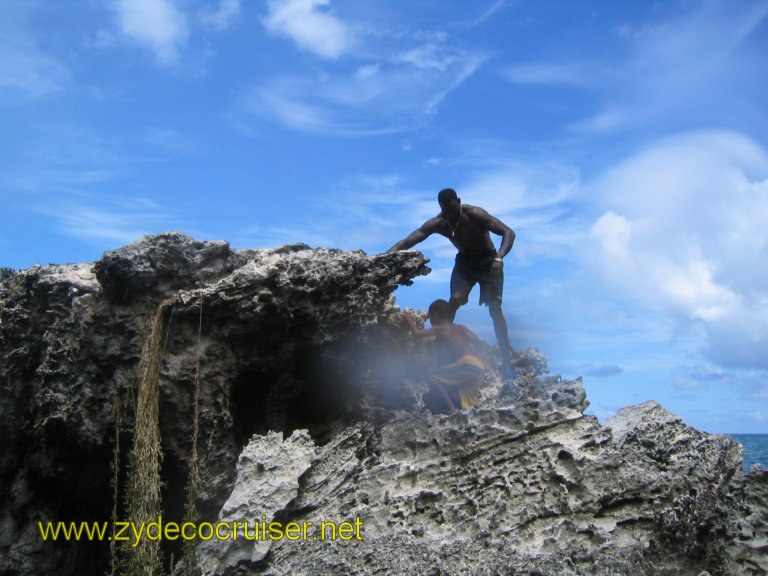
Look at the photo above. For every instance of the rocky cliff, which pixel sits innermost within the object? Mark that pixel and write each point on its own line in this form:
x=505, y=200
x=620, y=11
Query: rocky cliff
x=189, y=380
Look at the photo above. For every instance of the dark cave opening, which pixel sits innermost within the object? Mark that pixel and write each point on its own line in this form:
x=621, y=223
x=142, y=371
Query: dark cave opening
x=248, y=403
x=314, y=388
x=76, y=483
x=88, y=496
x=326, y=387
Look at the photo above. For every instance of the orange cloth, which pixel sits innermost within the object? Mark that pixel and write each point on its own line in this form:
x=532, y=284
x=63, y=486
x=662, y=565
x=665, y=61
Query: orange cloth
x=466, y=375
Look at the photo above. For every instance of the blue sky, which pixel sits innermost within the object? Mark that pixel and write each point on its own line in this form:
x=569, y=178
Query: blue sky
x=625, y=142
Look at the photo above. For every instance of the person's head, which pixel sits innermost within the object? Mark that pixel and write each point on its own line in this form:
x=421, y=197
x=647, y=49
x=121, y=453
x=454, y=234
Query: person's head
x=441, y=312
x=450, y=203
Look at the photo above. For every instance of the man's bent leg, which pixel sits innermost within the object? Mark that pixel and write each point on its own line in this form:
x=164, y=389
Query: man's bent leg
x=502, y=337
x=460, y=289
x=458, y=299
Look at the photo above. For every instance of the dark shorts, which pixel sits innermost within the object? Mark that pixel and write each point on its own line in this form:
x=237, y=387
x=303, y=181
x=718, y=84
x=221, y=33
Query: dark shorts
x=468, y=271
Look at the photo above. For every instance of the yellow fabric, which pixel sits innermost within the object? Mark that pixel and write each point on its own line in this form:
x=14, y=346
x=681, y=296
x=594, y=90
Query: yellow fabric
x=466, y=375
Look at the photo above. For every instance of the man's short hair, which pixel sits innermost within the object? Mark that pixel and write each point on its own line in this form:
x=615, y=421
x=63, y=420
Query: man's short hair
x=446, y=195
x=442, y=309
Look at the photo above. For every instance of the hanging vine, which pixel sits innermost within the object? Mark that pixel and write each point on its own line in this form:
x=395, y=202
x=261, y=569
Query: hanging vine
x=143, y=490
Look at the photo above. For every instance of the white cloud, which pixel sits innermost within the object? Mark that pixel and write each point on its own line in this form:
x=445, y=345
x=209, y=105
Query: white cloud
x=156, y=24
x=693, y=289
x=314, y=30
x=683, y=232
x=614, y=233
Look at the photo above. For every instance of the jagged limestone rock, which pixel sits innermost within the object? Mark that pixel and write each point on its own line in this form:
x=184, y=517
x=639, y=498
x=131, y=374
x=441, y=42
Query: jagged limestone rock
x=505, y=488
x=310, y=381
x=71, y=338
x=268, y=474
x=747, y=533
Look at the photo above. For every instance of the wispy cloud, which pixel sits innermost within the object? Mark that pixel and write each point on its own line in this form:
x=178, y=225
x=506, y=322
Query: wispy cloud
x=115, y=220
x=158, y=25
x=25, y=69
x=535, y=199
x=222, y=16
x=363, y=212
x=309, y=26
x=370, y=80
x=372, y=98
x=490, y=11
x=684, y=66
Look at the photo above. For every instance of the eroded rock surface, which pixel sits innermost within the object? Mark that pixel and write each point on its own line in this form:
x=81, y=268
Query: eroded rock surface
x=506, y=489
x=313, y=409
x=274, y=333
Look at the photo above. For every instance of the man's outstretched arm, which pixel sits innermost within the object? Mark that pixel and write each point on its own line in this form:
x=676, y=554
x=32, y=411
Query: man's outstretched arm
x=418, y=235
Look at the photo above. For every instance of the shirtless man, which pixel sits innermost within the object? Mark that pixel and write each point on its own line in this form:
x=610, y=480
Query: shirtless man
x=468, y=228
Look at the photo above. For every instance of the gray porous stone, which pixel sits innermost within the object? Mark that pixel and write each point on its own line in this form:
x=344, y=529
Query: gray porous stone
x=314, y=408
x=268, y=473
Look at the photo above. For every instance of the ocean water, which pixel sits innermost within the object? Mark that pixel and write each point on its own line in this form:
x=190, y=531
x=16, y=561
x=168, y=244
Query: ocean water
x=755, y=449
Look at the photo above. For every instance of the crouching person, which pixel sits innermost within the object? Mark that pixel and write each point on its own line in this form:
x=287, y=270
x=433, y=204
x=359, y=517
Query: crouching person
x=461, y=373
